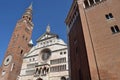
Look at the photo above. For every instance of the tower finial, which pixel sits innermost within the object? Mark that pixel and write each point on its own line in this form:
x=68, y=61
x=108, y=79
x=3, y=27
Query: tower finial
x=48, y=28
x=30, y=7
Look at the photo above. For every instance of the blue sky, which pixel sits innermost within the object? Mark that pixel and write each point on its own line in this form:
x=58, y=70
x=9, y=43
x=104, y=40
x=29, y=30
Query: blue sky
x=45, y=12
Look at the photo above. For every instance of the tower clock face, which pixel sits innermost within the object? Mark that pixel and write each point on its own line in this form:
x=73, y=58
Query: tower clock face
x=7, y=60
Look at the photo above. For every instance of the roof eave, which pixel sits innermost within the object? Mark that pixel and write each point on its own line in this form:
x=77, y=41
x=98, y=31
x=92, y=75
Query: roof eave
x=67, y=20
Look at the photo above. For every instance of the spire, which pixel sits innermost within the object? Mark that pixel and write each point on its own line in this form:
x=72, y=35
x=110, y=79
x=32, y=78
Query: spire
x=28, y=13
x=30, y=7
x=48, y=28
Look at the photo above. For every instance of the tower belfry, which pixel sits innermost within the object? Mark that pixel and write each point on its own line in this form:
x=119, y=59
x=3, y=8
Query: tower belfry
x=28, y=13
x=17, y=47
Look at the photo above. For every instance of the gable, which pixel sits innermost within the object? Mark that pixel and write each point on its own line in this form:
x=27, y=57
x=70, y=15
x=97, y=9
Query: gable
x=46, y=36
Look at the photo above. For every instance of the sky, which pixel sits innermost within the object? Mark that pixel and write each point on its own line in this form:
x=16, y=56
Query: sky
x=52, y=12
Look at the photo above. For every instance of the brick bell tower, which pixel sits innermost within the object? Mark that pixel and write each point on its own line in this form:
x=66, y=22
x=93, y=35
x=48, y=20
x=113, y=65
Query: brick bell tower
x=18, y=46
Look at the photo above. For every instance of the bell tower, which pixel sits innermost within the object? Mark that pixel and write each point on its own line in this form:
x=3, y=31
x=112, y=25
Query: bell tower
x=18, y=46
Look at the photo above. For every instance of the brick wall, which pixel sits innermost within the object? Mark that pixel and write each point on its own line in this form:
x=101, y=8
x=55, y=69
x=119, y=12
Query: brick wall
x=102, y=45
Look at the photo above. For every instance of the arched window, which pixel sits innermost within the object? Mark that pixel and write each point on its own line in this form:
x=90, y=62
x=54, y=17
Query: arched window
x=47, y=70
x=91, y=2
x=110, y=15
x=29, y=18
x=36, y=70
x=63, y=78
x=112, y=29
x=39, y=72
x=97, y=0
x=39, y=79
x=86, y=3
x=44, y=70
x=21, y=51
x=117, y=28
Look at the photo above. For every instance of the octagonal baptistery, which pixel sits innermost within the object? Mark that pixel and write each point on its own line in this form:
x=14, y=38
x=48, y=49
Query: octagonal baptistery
x=47, y=60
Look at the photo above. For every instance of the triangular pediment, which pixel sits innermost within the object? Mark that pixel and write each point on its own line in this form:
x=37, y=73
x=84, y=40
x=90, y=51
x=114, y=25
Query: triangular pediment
x=46, y=36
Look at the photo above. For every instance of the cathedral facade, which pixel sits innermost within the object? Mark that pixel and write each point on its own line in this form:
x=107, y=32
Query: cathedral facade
x=47, y=60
